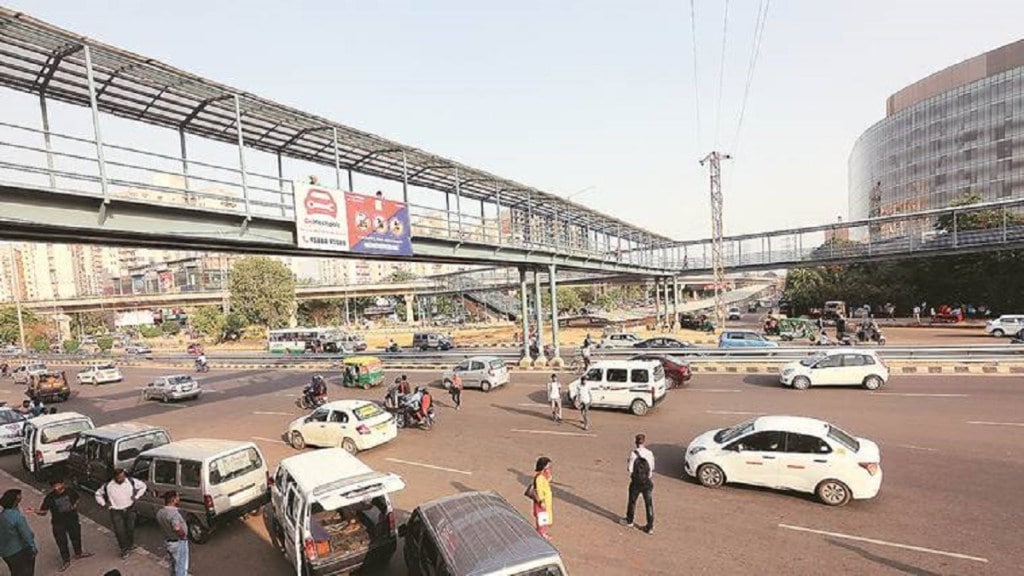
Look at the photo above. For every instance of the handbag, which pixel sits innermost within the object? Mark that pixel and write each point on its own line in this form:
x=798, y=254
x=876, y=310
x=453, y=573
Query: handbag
x=531, y=491
x=543, y=519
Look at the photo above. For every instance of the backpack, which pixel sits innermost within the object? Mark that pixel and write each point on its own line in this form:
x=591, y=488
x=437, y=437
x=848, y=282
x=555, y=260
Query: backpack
x=641, y=469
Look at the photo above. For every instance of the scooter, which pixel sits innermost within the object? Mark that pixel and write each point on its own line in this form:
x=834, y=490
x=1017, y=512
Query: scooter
x=405, y=415
x=393, y=348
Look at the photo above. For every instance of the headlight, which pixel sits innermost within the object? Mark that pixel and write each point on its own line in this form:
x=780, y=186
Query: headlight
x=788, y=371
x=696, y=450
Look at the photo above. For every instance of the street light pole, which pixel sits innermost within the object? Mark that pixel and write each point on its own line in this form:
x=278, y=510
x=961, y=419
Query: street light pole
x=16, y=288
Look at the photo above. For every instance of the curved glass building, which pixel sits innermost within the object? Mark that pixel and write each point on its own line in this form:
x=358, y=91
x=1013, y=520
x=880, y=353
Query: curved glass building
x=956, y=133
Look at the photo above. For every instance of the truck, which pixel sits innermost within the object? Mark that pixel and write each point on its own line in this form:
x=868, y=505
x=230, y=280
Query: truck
x=49, y=386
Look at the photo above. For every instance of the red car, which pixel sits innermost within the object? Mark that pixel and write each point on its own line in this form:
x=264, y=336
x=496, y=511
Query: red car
x=677, y=370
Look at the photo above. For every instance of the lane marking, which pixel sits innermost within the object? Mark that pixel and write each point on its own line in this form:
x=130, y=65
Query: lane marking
x=885, y=543
x=733, y=412
x=912, y=447
x=274, y=413
x=275, y=440
x=431, y=466
x=555, y=433
x=533, y=404
x=712, y=390
x=985, y=423
x=920, y=395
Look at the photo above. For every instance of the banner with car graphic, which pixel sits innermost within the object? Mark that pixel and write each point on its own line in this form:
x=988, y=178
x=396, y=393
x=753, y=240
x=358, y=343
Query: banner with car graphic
x=337, y=221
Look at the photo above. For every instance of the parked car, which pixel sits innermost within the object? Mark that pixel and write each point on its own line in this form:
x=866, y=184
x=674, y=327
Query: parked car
x=97, y=452
x=634, y=385
x=618, y=340
x=331, y=514
x=744, y=339
x=483, y=372
x=10, y=350
x=218, y=480
x=1007, y=324
x=99, y=374
x=677, y=370
x=790, y=453
x=662, y=342
x=446, y=535
x=137, y=350
x=12, y=428
x=350, y=424
x=22, y=374
x=734, y=313
x=177, y=387
x=431, y=341
x=840, y=367
x=48, y=438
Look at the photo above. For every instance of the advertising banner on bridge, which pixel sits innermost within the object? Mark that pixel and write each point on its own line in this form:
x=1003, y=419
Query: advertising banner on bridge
x=337, y=221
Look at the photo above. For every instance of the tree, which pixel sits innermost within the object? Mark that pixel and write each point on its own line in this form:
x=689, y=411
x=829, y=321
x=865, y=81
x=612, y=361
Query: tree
x=401, y=275
x=71, y=346
x=320, y=312
x=975, y=219
x=9, y=323
x=262, y=291
x=105, y=343
x=209, y=320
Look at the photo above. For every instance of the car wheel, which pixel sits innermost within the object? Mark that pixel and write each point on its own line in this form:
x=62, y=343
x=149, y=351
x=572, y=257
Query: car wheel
x=400, y=420
x=710, y=476
x=801, y=383
x=485, y=386
x=998, y=333
x=349, y=445
x=873, y=382
x=196, y=531
x=638, y=407
x=297, y=441
x=833, y=492
x=447, y=384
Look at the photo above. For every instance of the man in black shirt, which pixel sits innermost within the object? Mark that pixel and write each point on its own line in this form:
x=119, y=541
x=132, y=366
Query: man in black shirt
x=62, y=504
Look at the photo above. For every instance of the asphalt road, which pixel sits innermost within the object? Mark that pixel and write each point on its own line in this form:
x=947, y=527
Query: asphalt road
x=950, y=503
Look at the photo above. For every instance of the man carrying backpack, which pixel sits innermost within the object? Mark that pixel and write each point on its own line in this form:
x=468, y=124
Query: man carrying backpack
x=641, y=481
x=119, y=496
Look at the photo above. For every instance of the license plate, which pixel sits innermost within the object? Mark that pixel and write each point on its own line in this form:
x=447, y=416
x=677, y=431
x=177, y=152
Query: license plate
x=383, y=426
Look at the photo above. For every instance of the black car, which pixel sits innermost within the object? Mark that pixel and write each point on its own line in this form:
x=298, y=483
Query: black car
x=661, y=343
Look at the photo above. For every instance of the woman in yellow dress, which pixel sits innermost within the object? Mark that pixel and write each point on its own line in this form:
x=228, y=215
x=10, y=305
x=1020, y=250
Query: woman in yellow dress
x=542, y=512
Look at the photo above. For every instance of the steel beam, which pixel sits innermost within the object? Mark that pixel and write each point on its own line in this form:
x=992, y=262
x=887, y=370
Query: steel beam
x=101, y=160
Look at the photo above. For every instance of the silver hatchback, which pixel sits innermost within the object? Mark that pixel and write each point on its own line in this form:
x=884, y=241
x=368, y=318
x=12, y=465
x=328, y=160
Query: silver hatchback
x=165, y=388
x=483, y=372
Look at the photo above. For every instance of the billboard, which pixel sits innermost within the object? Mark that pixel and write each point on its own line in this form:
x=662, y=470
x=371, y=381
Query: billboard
x=337, y=221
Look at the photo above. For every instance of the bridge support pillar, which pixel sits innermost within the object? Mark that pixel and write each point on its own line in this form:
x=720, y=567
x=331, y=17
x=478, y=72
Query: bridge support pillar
x=556, y=360
x=410, y=319
x=524, y=317
x=538, y=309
x=668, y=318
x=675, y=303
x=657, y=304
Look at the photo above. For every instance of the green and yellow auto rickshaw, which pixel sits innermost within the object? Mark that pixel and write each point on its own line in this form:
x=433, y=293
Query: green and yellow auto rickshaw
x=362, y=372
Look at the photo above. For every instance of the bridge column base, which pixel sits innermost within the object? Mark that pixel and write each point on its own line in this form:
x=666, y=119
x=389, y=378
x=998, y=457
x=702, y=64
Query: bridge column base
x=525, y=362
x=556, y=362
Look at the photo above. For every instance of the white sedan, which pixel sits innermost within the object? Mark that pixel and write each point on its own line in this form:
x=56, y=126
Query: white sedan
x=789, y=453
x=840, y=367
x=99, y=374
x=350, y=424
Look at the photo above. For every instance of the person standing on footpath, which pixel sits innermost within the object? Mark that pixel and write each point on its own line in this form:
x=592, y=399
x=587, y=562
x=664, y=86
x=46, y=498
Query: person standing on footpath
x=641, y=482
x=17, y=543
x=175, y=532
x=62, y=504
x=584, y=398
x=119, y=496
x=555, y=398
x=540, y=492
x=456, y=390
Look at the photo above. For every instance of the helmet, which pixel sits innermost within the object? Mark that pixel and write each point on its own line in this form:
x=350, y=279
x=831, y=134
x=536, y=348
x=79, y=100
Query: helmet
x=318, y=378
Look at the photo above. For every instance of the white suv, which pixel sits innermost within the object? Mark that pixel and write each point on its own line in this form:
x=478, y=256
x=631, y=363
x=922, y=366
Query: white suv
x=634, y=385
x=842, y=367
x=1007, y=324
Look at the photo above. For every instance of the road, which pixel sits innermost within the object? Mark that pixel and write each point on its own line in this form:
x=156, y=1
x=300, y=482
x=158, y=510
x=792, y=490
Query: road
x=952, y=455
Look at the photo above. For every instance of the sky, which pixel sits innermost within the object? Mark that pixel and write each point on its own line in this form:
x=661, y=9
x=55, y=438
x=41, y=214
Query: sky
x=570, y=95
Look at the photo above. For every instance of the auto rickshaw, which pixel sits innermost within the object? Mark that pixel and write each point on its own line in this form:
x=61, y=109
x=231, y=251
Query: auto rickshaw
x=51, y=386
x=793, y=328
x=362, y=372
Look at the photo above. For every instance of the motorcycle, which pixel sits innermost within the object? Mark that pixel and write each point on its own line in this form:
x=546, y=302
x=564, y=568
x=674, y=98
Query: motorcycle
x=202, y=367
x=393, y=348
x=307, y=401
x=405, y=415
x=875, y=336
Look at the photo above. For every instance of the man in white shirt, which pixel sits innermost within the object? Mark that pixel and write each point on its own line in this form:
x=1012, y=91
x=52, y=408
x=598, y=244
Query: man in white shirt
x=555, y=398
x=119, y=496
x=640, y=467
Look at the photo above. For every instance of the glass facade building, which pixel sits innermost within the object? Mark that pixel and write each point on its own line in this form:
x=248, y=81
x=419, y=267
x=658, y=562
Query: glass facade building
x=957, y=133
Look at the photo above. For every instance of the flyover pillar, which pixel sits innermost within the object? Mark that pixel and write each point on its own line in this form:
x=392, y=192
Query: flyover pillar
x=668, y=320
x=556, y=361
x=539, y=315
x=657, y=303
x=524, y=316
x=675, y=303
x=409, y=318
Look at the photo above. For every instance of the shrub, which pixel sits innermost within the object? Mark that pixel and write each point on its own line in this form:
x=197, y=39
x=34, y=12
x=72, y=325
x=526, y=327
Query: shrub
x=71, y=346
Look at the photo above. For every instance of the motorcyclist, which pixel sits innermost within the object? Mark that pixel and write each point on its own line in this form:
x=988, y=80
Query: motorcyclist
x=823, y=338
x=316, y=391
x=425, y=401
x=392, y=396
x=412, y=403
x=201, y=360
x=392, y=345
x=403, y=385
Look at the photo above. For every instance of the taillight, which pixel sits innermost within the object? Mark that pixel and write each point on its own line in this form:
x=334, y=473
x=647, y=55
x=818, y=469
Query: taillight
x=310, y=549
x=362, y=429
x=871, y=467
x=208, y=502
x=391, y=521
x=38, y=455
x=270, y=480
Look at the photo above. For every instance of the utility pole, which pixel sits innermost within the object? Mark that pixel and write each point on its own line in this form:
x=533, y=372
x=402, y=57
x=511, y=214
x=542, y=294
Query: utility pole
x=713, y=160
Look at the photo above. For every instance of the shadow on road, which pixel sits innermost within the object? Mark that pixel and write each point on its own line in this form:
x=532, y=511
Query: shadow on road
x=668, y=460
x=762, y=380
x=561, y=493
x=887, y=562
x=543, y=415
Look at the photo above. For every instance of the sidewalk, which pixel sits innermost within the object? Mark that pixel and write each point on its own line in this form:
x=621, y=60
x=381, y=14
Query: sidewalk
x=95, y=539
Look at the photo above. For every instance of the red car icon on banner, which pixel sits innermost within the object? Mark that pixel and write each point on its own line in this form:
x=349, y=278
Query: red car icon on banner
x=321, y=202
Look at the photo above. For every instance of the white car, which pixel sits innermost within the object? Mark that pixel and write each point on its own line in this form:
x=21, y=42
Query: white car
x=178, y=387
x=1007, y=324
x=734, y=313
x=12, y=428
x=789, y=453
x=350, y=424
x=22, y=374
x=619, y=340
x=840, y=367
x=99, y=374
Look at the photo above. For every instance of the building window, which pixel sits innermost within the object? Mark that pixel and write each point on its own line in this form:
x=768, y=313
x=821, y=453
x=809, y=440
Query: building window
x=1004, y=149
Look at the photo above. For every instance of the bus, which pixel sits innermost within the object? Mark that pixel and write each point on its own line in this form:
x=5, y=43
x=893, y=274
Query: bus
x=296, y=340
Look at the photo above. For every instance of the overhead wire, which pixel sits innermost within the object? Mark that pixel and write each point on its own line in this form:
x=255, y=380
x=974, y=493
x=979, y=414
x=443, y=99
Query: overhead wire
x=721, y=72
x=762, y=18
x=696, y=78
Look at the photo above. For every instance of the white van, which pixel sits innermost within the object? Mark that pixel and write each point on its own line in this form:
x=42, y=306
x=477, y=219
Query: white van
x=331, y=514
x=48, y=440
x=636, y=385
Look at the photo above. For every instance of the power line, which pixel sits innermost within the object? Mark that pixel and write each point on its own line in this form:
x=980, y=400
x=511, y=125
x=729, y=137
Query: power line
x=762, y=18
x=696, y=81
x=721, y=72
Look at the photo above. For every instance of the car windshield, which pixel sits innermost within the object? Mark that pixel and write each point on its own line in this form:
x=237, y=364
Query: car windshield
x=10, y=417
x=105, y=367
x=37, y=367
x=843, y=438
x=730, y=434
x=367, y=411
x=63, y=431
x=234, y=465
x=676, y=360
x=179, y=380
x=497, y=364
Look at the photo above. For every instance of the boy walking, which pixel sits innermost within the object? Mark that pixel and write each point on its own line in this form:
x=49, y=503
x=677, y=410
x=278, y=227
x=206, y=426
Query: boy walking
x=641, y=482
x=583, y=394
x=555, y=398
